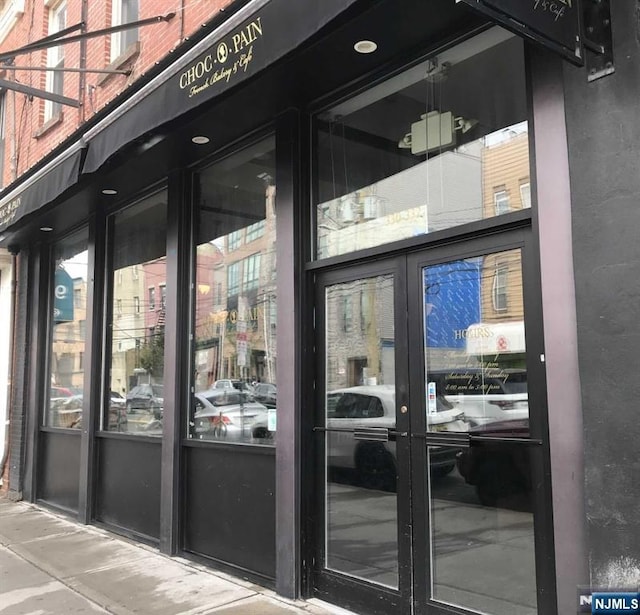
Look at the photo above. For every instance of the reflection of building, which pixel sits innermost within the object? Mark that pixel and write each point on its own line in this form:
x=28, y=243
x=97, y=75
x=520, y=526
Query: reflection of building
x=236, y=303
x=420, y=199
x=129, y=332
x=360, y=332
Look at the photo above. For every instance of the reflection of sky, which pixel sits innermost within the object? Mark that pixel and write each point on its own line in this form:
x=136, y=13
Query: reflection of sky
x=76, y=266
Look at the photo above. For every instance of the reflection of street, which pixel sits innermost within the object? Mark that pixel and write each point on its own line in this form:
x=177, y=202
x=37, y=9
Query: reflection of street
x=483, y=557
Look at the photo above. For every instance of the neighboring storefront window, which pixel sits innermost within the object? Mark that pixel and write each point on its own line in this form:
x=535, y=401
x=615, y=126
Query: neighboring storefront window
x=234, y=332
x=66, y=351
x=135, y=399
x=442, y=144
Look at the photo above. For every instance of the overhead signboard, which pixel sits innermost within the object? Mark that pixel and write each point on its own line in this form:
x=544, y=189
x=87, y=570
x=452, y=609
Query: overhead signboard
x=555, y=24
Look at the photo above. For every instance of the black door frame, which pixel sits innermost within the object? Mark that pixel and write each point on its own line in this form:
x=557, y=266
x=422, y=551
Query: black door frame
x=328, y=584
x=413, y=524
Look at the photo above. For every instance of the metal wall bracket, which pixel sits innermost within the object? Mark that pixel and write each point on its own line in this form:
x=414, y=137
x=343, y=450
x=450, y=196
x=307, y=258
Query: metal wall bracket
x=597, y=38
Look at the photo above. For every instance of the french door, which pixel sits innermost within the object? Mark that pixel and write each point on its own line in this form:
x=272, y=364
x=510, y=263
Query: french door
x=429, y=433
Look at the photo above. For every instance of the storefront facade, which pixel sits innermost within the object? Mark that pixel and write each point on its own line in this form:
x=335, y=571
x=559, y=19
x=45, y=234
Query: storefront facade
x=307, y=313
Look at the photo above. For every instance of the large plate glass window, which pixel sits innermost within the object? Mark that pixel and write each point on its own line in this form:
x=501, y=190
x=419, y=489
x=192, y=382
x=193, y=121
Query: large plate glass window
x=427, y=149
x=68, y=305
x=235, y=300
x=134, y=400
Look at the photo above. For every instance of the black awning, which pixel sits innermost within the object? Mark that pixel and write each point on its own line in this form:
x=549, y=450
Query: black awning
x=253, y=38
x=42, y=187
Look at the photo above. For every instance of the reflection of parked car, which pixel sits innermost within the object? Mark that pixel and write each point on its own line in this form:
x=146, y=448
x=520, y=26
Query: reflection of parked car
x=375, y=406
x=230, y=384
x=266, y=394
x=69, y=412
x=484, y=395
x=225, y=414
x=501, y=472
x=149, y=397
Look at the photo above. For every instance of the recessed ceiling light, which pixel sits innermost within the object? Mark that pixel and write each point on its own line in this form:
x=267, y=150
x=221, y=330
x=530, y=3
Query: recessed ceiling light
x=200, y=140
x=46, y=229
x=365, y=46
x=109, y=191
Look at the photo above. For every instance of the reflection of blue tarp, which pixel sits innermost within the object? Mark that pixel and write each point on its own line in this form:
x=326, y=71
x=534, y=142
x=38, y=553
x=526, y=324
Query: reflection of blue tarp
x=63, y=297
x=451, y=302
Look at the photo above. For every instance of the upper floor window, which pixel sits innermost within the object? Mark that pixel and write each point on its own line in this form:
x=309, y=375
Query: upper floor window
x=501, y=201
x=152, y=298
x=123, y=11
x=235, y=240
x=251, y=273
x=233, y=278
x=525, y=194
x=254, y=231
x=500, y=287
x=10, y=12
x=55, y=59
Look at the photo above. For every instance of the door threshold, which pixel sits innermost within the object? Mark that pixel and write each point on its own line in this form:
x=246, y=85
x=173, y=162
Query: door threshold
x=330, y=608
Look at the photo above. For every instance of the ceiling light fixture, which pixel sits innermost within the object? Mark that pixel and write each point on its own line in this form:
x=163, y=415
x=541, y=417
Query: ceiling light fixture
x=46, y=229
x=365, y=46
x=200, y=140
x=109, y=191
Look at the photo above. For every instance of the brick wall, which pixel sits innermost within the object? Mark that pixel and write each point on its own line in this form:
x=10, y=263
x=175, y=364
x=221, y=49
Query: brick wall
x=27, y=138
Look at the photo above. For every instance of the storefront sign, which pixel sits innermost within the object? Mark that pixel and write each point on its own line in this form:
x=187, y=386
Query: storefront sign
x=555, y=24
x=232, y=56
x=63, y=297
x=9, y=211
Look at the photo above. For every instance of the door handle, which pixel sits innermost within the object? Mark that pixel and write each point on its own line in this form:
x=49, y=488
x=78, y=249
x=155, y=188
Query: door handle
x=371, y=434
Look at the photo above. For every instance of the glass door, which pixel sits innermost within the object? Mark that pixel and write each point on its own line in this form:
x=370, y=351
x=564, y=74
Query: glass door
x=474, y=546
x=361, y=429
x=429, y=467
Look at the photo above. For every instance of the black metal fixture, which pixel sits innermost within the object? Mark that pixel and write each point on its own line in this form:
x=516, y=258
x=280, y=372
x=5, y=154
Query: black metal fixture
x=61, y=38
x=598, y=40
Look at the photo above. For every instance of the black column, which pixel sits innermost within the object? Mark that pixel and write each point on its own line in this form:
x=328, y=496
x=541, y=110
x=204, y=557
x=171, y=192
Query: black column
x=176, y=356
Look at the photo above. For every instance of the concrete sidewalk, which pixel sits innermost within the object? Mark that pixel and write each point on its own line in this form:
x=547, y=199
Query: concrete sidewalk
x=50, y=565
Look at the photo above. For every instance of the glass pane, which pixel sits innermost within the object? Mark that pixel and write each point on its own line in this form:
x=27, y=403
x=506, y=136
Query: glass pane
x=67, y=346
x=135, y=400
x=234, y=356
x=443, y=144
x=361, y=504
x=482, y=540
x=476, y=374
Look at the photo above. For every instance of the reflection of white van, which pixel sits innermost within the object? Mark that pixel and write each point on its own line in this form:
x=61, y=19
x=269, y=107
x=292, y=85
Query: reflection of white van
x=484, y=395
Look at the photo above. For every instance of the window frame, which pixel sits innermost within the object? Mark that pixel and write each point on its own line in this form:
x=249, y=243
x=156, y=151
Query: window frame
x=121, y=41
x=500, y=199
x=54, y=80
x=500, y=287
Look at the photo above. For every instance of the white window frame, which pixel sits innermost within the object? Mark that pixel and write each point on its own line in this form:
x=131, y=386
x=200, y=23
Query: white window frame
x=117, y=19
x=525, y=194
x=500, y=292
x=501, y=202
x=55, y=58
x=9, y=16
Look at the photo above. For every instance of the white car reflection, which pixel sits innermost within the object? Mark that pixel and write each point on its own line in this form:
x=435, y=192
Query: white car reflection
x=225, y=414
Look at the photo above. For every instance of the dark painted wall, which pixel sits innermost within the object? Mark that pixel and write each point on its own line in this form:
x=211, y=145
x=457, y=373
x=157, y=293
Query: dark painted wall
x=603, y=123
